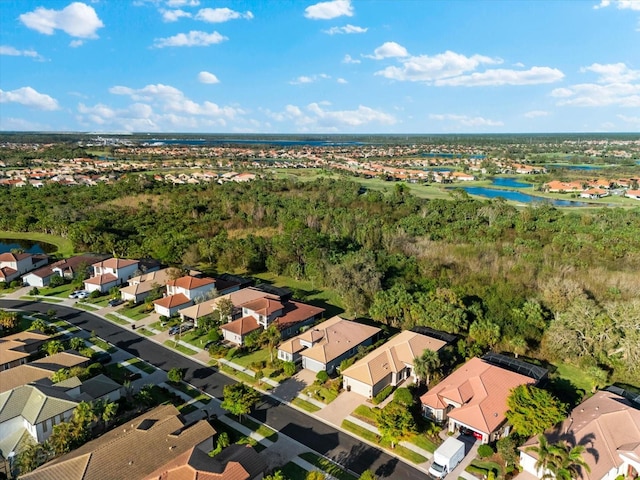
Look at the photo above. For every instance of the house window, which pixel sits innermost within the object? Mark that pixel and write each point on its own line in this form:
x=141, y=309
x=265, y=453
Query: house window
x=45, y=425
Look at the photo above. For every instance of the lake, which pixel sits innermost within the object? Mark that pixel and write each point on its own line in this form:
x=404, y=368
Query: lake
x=572, y=167
x=8, y=244
x=522, y=197
x=510, y=182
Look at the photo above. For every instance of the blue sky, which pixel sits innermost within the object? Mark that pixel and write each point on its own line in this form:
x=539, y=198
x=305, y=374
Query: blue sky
x=341, y=66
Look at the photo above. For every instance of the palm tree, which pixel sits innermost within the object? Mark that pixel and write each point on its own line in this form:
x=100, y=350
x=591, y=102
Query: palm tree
x=425, y=365
x=53, y=346
x=544, y=452
x=559, y=460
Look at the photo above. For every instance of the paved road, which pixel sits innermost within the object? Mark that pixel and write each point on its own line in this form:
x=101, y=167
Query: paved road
x=318, y=436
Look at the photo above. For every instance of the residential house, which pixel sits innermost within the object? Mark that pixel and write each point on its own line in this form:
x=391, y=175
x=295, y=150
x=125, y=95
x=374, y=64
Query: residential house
x=474, y=397
x=237, y=298
x=39, y=369
x=326, y=345
x=16, y=349
x=236, y=462
x=70, y=268
x=33, y=410
x=635, y=194
x=289, y=316
x=389, y=364
x=38, y=278
x=14, y=265
x=133, y=451
x=111, y=273
x=608, y=425
x=557, y=186
x=140, y=287
x=183, y=292
x=594, y=193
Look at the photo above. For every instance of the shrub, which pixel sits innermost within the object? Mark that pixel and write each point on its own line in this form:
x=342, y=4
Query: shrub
x=403, y=396
x=485, y=451
x=382, y=395
x=34, y=291
x=95, y=294
x=15, y=284
x=289, y=368
x=321, y=377
x=56, y=281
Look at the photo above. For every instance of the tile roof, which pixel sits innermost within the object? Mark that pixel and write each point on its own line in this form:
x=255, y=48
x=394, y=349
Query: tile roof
x=338, y=336
x=20, y=345
x=71, y=264
x=38, y=369
x=132, y=451
x=35, y=403
x=102, y=279
x=190, y=283
x=242, y=326
x=236, y=462
x=263, y=306
x=116, y=263
x=296, y=312
x=482, y=390
x=393, y=356
x=13, y=257
x=161, y=277
x=608, y=424
x=171, y=301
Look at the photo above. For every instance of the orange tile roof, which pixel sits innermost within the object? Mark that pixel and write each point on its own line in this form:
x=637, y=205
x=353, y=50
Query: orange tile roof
x=116, y=263
x=296, y=312
x=171, y=301
x=263, y=306
x=242, y=326
x=482, y=390
x=190, y=283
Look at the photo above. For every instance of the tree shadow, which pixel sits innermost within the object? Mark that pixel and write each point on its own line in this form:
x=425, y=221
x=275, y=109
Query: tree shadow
x=358, y=458
x=386, y=470
x=566, y=391
x=289, y=389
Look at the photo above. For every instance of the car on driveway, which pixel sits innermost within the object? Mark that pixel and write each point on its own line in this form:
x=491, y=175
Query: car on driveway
x=184, y=327
x=82, y=294
x=115, y=302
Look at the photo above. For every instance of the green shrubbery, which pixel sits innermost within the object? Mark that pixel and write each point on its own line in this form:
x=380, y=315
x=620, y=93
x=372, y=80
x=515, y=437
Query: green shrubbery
x=383, y=394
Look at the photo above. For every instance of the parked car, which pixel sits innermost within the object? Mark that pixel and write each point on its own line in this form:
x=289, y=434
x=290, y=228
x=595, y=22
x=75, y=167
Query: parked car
x=82, y=294
x=184, y=327
x=470, y=433
x=74, y=294
x=115, y=302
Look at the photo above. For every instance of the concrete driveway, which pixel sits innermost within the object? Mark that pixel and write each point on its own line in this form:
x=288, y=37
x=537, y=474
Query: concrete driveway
x=291, y=387
x=342, y=406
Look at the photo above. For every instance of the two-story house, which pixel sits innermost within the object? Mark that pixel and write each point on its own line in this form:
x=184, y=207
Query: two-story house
x=14, y=265
x=183, y=292
x=289, y=317
x=111, y=273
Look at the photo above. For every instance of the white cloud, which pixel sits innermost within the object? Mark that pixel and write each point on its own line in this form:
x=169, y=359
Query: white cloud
x=206, y=77
x=348, y=59
x=29, y=97
x=182, y=3
x=389, y=50
x=192, y=39
x=348, y=28
x=501, y=76
x=425, y=68
x=329, y=10
x=20, y=124
x=174, y=15
x=620, y=4
x=632, y=120
x=316, y=117
x=309, y=78
x=221, y=15
x=342, y=81
x=14, y=52
x=612, y=72
x=536, y=114
x=614, y=86
x=76, y=43
x=76, y=19
x=466, y=121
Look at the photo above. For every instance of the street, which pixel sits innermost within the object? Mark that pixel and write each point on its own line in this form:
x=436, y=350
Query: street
x=314, y=434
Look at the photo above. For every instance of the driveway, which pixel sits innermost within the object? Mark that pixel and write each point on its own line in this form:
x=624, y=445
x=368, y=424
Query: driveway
x=342, y=406
x=291, y=387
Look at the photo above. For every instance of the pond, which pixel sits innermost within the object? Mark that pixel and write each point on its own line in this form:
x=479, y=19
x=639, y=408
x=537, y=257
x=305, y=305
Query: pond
x=573, y=167
x=510, y=182
x=521, y=197
x=28, y=246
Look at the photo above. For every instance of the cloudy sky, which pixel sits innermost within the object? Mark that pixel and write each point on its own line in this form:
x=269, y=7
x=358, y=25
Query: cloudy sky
x=344, y=66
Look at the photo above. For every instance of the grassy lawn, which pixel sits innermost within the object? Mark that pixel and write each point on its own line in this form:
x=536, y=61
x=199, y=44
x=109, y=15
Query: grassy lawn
x=366, y=414
x=292, y=471
x=259, y=428
x=235, y=436
x=59, y=291
x=87, y=306
x=142, y=365
x=41, y=299
x=192, y=392
x=181, y=348
x=423, y=442
x=257, y=356
x=114, y=319
x=575, y=375
x=136, y=313
x=145, y=332
x=102, y=344
x=360, y=431
x=156, y=325
x=117, y=372
x=64, y=247
x=327, y=466
x=304, y=405
x=187, y=408
x=321, y=393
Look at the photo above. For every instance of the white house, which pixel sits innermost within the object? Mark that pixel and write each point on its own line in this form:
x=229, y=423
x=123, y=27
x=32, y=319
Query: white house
x=182, y=293
x=13, y=265
x=111, y=273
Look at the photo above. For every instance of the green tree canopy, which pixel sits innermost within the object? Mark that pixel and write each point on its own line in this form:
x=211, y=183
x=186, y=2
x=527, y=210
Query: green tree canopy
x=533, y=410
x=395, y=422
x=239, y=399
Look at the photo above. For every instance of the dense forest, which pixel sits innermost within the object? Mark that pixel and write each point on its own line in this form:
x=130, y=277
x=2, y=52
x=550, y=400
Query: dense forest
x=535, y=281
